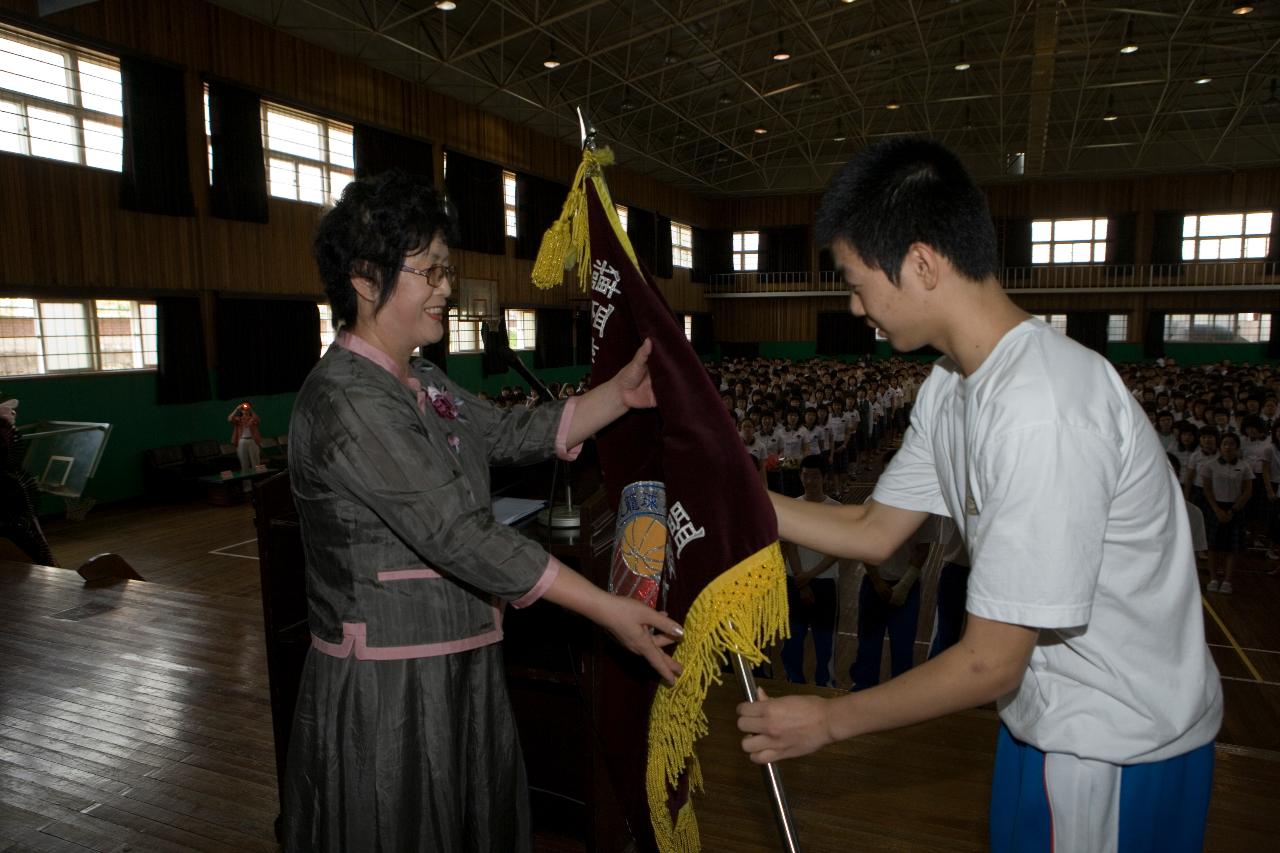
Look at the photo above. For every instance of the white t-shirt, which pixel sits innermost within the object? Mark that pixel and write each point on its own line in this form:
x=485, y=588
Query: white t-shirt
x=1074, y=525
x=792, y=443
x=757, y=449
x=809, y=557
x=1227, y=478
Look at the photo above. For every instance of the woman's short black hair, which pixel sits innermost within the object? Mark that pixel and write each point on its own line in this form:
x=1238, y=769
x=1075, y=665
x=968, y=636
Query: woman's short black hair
x=369, y=231
x=907, y=190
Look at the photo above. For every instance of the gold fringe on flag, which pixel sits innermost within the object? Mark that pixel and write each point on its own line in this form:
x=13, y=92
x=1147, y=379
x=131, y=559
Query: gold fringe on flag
x=740, y=612
x=567, y=243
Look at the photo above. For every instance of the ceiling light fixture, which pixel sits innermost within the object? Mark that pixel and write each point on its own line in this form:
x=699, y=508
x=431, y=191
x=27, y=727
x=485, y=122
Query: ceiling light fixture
x=1111, y=116
x=761, y=131
x=446, y=5
x=1200, y=81
x=963, y=66
x=1242, y=9
x=1128, y=45
x=724, y=99
x=552, y=61
x=893, y=105
x=781, y=54
x=839, y=138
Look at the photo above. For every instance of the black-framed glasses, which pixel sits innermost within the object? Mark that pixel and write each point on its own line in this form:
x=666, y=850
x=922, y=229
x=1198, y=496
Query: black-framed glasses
x=436, y=274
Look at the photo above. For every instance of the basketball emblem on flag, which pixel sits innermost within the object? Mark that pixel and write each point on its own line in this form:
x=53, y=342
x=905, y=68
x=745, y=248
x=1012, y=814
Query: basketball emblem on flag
x=641, y=536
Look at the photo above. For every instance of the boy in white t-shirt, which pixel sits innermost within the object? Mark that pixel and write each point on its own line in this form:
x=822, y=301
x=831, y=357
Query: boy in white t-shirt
x=1084, y=615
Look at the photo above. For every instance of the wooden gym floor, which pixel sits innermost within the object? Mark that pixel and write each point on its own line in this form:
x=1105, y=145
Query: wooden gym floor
x=193, y=768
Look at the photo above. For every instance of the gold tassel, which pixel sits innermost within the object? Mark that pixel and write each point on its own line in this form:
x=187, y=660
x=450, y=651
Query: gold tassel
x=567, y=243
x=742, y=611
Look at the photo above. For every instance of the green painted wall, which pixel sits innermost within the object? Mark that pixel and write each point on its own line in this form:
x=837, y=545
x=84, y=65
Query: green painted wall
x=127, y=401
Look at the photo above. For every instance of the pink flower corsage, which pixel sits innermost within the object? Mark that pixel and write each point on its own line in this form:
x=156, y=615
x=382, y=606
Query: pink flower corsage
x=455, y=443
x=442, y=402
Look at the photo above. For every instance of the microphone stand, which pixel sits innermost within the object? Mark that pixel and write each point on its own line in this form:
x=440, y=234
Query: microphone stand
x=564, y=516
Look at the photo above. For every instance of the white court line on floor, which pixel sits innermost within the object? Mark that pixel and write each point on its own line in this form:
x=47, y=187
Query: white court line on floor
x=223, y=551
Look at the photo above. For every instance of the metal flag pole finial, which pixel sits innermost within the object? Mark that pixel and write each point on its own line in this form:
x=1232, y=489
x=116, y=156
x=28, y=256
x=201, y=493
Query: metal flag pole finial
x=586, y=132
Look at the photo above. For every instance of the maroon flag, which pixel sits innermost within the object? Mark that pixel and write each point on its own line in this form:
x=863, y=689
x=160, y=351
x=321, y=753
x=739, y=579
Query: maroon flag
x=696, y=533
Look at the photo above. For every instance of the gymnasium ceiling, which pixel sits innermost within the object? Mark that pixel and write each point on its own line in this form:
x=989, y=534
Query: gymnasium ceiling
x=681, y=88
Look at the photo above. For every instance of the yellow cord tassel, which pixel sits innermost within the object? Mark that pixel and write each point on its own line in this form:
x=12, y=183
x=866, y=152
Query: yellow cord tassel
x=567, y=243
x=742, y=611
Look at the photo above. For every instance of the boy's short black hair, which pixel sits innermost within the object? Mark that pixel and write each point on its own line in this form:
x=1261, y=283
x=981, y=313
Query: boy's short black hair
x=1208, y=430
x=907, y=190
x=814, y=461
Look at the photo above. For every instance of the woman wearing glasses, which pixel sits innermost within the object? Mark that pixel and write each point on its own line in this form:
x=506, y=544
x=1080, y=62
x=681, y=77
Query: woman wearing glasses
x=403, y=737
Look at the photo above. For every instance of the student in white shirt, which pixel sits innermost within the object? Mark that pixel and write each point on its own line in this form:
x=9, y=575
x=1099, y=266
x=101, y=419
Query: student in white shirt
x=1228, y=483
x=1084, y=617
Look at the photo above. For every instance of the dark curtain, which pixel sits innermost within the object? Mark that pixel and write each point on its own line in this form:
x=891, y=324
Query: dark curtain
x=662, y=266
x=704, y=255
x=1013, y=239
x=1166, y=237
x=497, y=356
x=475, y=191
x=1121, y=242
x=379, y=150
x=703, y=334
x=538, y=204
x=156, y=177
x=182, y=374
x=239, y=186
x=786, y=249
x=1089, y=328
x=265, y=346
x=1273, y=345
x=553, y=338
x=835, y=333
x=641, y=231
x=1153, y=335
x=581, y=336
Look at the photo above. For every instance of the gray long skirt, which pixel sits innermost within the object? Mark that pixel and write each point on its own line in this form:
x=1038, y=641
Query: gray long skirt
x=401, y=756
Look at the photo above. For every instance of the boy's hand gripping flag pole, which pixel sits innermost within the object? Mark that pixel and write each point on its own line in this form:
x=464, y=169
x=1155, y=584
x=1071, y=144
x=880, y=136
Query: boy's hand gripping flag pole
x=695, y=535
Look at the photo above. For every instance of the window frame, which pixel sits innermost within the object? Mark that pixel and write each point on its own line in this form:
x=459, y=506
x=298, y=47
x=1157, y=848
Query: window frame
x=524, y=329
x=93, y=337
x=1245, y=236
x=72, y=55
x=1114, y=335
x=510, y=188
x=1178, y=330
x=327, y=165
x=1099, y=228
x=741, y=254
x=623, y=212
x=681, y=252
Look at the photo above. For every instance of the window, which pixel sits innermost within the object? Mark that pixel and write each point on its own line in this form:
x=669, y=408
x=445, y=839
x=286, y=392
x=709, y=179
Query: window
x=622, y=214
x=464, y=335
x=1118, y=327
x=309, y=158
x=1226, y=236
x=746, y=251
x=42, y=336
x=327, y=330
x=688, y=326
x=1057, y=322
x=59, y=101
x=1218, y=328
x=522, y=325
x=681, y=245
x=1069, y=241
x=509, y=202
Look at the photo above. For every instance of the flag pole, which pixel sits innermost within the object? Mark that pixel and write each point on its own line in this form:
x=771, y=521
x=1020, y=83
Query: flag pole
x=772, y=776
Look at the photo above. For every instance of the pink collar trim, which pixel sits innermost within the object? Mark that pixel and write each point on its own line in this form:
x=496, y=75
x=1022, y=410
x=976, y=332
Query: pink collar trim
x=363, y=348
